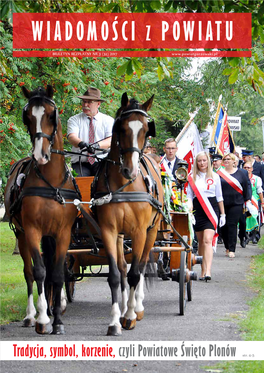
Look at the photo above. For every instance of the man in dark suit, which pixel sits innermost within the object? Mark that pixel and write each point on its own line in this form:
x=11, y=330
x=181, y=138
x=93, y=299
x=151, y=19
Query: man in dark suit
x=169, y=161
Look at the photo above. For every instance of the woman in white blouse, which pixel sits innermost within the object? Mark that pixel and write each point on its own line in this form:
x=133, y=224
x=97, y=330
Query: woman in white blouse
x=205, y=199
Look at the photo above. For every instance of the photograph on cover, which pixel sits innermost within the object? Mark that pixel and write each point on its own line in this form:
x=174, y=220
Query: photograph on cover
x=132, y=177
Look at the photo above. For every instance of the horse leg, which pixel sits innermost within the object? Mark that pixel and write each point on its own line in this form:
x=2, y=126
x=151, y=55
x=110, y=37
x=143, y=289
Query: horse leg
x=43, y=325
x=29, y=320
x=129, y=320
x=122, y=266
x=139, y=309
x=48, y=252
x=49, y=248
x=62, y=244
x=110, y=244
x=63, y=301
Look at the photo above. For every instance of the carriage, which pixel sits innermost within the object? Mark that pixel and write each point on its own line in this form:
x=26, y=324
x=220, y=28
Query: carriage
x=86, y=255
x=62, y=230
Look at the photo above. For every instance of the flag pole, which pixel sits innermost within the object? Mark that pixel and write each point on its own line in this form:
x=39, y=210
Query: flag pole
x=216, y=119
x=187, y=125
x=222, y=129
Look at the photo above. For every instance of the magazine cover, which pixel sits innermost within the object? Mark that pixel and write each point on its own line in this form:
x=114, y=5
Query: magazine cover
x=112, y=256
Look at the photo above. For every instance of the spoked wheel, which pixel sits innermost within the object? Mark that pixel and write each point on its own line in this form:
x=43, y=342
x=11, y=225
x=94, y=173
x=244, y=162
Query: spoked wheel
x=182, y=284
x=70, y=283
x=189, y=283
x=189, y=290
x=70, y=287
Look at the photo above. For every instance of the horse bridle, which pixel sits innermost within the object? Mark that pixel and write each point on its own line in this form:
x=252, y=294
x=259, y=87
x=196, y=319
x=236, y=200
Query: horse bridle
x=39, y=135
x=151, y=132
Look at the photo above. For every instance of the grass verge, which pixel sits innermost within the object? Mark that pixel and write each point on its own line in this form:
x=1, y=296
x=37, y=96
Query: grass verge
x=13, y=290
x=252, y=327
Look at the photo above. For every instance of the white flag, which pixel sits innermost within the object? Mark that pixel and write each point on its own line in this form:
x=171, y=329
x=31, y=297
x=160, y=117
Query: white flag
x=189, y=144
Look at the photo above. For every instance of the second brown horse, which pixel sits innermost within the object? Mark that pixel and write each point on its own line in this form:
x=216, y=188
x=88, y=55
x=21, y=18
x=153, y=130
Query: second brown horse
x=132, y=181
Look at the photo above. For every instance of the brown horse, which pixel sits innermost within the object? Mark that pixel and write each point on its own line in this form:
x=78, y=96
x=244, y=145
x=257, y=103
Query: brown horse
x=35, y=197
x=132, y=181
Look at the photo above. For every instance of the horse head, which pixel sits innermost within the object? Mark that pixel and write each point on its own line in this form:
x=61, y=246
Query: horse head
x=40, y=115
x=131, y=129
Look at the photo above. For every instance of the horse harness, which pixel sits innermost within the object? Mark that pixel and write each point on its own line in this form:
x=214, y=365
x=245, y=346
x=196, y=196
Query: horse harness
x=55, y=118
x=151, y=132
x=18, y=192
x=120, y=195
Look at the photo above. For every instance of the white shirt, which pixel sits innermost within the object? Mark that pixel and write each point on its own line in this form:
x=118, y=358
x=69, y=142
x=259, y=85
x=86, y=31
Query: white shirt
x=79, y=125
x=211, y=187
x=168, y=168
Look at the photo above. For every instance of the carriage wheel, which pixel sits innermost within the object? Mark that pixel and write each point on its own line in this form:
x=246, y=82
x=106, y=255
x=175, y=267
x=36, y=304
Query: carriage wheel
x=189, y=283
x=189, y=290
x=182, y=284
x=70, y=283
x=70, y=287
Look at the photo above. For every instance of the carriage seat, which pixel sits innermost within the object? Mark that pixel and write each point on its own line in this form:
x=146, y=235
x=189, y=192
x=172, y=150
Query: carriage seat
x=84, y=183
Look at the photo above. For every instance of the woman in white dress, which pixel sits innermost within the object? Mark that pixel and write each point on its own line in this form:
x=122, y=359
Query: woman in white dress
x=205, y=198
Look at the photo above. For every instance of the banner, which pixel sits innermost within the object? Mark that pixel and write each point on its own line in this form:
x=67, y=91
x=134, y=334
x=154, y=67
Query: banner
x=189, y=143
x=221, y=135
x=132, y=30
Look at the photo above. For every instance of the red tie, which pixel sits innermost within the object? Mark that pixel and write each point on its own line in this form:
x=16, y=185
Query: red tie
x=91, y=160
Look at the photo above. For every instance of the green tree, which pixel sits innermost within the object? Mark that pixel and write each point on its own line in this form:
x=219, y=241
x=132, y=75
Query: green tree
x=240, y=81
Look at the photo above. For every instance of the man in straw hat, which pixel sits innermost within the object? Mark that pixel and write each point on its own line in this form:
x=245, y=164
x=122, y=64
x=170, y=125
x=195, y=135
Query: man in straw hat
x=90, y=127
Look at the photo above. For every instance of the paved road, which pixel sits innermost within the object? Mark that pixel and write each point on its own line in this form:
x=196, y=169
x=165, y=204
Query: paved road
x=212, y=316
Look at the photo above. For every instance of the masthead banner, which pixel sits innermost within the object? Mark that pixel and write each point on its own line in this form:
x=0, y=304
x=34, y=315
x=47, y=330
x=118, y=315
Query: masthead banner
x=133, y=31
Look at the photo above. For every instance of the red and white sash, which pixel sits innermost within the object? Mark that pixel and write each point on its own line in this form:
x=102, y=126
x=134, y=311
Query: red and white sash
x=254, y=202
x=253, y=199
x=205, y=203
x=207, y=207
x=232, y=181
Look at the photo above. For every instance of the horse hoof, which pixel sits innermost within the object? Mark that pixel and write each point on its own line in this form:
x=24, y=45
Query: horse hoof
x=43, y=328
x=29, y=322
x=140, y=315
x=129, y=324
x=58, y=329
x=114, y=330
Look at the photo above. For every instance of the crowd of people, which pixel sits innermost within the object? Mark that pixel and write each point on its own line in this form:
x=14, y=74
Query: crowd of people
x=226, y=196
x=224, y=192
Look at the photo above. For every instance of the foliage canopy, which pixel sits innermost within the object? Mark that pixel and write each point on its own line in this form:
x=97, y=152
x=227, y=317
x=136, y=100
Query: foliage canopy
x=177, y=92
